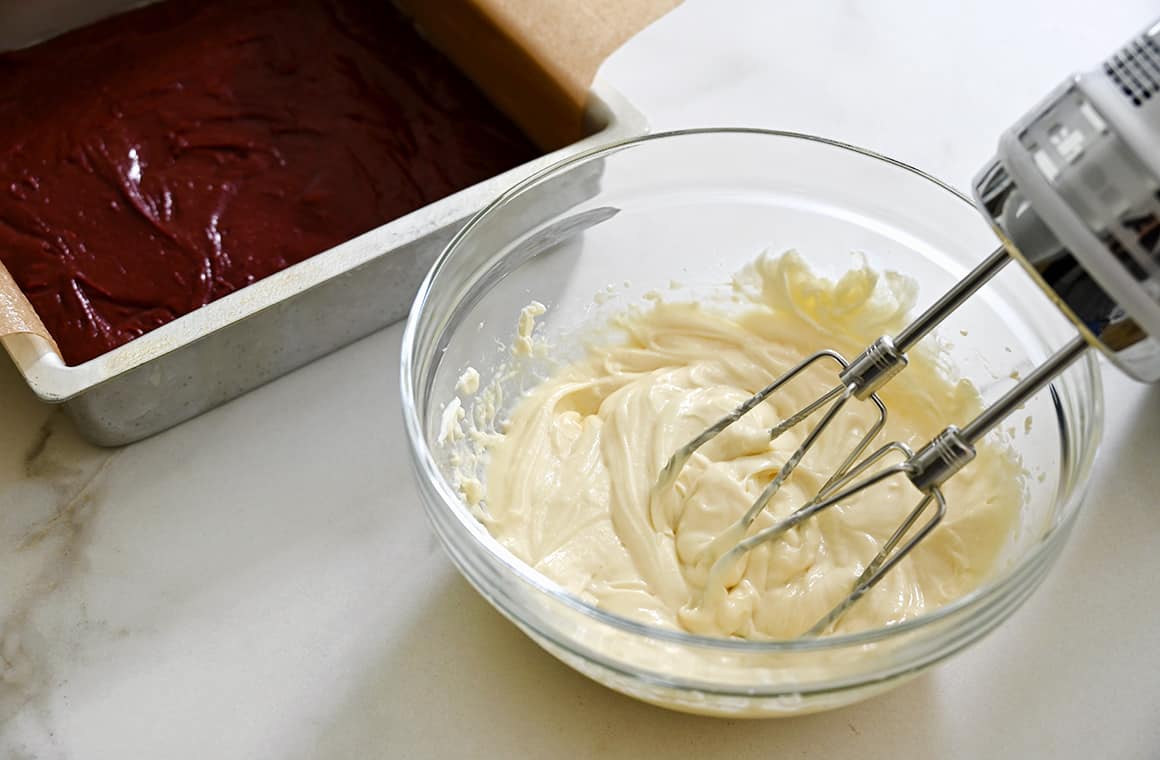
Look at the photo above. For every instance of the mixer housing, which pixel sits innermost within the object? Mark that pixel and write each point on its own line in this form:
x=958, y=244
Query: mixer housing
x=1074, y=193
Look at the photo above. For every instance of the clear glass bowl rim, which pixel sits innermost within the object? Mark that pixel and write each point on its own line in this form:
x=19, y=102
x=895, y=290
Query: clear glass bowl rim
x=995, y=591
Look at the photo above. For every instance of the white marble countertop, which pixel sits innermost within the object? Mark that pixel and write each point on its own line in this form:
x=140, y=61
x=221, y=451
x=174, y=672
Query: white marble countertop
x=261, y=582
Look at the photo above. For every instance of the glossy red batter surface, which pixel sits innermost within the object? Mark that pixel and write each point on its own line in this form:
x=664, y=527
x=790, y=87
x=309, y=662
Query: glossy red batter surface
x=166, y=157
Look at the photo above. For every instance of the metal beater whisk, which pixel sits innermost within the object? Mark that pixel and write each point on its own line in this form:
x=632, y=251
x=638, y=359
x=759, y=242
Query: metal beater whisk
x=1074, y=193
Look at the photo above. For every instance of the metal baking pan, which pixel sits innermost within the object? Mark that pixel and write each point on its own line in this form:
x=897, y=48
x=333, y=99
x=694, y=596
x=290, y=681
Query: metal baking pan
x=275, y=325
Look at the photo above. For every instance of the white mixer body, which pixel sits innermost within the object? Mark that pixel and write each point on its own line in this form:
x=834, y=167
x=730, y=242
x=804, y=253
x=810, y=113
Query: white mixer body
x=1074, y=191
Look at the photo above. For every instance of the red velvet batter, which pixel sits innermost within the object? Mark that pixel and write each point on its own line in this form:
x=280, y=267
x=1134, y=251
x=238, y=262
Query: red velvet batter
x=163, y=158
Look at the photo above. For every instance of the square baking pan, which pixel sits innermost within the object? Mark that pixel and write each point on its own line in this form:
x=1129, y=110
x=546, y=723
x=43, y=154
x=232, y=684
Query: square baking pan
x=275, y=325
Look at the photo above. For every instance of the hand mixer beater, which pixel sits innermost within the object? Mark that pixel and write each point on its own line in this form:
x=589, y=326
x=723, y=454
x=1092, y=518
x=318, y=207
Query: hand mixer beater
x=1073, y=193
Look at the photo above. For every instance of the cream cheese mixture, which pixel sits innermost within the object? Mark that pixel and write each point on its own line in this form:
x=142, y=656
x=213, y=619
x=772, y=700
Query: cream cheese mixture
x=569, y=484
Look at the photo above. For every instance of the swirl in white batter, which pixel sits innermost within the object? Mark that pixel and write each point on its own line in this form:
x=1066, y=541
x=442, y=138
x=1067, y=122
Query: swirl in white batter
x=569, y=487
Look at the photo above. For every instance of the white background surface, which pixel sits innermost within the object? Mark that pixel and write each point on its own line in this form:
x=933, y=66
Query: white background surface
x=261, y=583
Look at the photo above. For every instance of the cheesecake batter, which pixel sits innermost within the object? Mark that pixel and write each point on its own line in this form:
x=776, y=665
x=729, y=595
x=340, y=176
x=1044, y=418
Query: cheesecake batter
x=166, y=157
x=570, y=485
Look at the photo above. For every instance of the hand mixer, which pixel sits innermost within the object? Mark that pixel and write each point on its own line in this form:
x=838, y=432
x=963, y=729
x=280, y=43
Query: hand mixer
x=1074, y=195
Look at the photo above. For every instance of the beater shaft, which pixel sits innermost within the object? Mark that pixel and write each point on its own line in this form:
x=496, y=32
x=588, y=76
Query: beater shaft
x=910, y=335
x=886, y=357
x=1028, y=387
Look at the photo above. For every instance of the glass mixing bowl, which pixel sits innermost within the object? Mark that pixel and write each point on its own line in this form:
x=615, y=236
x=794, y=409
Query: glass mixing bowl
x=603, y=229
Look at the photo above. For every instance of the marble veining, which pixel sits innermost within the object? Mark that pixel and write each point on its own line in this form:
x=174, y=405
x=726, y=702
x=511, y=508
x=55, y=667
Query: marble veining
x=46, y=519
